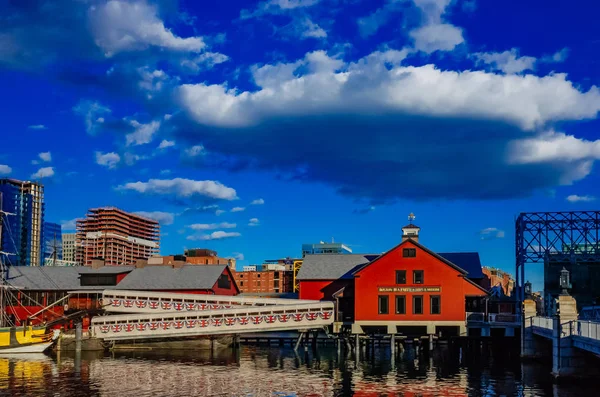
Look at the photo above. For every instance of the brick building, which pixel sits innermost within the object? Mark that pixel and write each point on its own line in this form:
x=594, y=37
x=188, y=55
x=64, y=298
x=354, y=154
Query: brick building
x=498, y=278
x=266, y=281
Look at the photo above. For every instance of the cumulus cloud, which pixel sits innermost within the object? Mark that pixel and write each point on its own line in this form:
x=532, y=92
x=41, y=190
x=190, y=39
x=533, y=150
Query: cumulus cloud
x=486, y=119
x=212, y=226
x=123, y=26
x=238, y=209
x=44, y=172
x=166, y=144
x=93, y=114
x=311, y=29
x=218, y=235
x=142, y=133
x=69, y=225
x=5, y=169
x=109, y=160
x=45, y=156
x=253, y=222
x=164, y=218
x=276, y=7
x=257, y=202
x=437, y=37
x=507, y=61
x=181, y=187
x=194, y=151
x=219, y=212
x=237, y=256
x=557, y=57
x=38, y=127
x=491, y=233
x=204, y=61
x=574, y=198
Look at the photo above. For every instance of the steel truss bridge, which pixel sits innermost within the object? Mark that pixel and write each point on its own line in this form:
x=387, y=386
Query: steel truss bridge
x=147, y=315
x=560, y=236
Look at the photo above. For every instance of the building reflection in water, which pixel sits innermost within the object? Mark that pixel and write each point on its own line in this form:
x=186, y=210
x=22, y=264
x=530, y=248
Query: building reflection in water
x=262, y=371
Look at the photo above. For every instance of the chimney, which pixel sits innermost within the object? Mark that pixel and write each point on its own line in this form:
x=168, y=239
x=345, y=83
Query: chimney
x=140, y=263
x=411, y=231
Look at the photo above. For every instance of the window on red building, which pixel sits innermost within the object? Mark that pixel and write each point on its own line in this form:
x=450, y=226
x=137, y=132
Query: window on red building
x=409, y=252
x=400, y=304
x=400, y=276
x=383, y=304
x=435, y=304
x=417, y=304
x=418, y=277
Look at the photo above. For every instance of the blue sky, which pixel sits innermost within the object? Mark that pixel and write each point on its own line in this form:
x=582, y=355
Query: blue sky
x=313, y=119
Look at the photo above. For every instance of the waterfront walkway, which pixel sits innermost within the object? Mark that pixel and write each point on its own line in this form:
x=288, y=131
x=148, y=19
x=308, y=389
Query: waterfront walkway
x=585, y=335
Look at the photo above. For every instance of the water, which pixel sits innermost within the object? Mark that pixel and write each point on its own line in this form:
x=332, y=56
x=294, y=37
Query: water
x=274, y=372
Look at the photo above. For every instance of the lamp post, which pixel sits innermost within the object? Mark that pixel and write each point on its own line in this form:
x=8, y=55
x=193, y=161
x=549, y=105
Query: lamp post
x=527, y=290
x=565, y=281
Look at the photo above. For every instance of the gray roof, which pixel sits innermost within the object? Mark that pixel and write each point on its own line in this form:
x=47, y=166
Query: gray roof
x=56, y=278
x=188, y=277
x=332, y=266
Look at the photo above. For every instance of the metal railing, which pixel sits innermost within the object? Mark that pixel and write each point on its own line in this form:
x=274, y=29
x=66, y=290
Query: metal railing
x=492, y=318
x=584, y=329
x=118, y=301
x=541, y=322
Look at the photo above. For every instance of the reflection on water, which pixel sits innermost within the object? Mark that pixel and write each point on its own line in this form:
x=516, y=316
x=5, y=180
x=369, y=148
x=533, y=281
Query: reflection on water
x=262, y=371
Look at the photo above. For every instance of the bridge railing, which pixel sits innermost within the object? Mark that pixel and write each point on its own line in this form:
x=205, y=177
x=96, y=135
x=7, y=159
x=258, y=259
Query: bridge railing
x=226, y=321
x=120, y=301
x=541, y=322
x=492, y=318
x=584, y=329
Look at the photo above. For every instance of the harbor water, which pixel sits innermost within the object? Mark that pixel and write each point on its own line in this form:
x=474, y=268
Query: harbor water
x=269, y=371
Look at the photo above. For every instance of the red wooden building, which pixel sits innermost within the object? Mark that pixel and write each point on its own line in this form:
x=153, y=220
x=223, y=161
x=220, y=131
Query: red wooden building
x=79, y=288
x=409, y=289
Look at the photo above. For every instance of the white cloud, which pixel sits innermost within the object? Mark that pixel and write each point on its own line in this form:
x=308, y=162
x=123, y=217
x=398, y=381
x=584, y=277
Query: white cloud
x=311, y=29
x=238, y=209
x=132, y=158
x=253, y=222
x=204, y=61
x=491, y=233
x=38, y=127
x=557, y=57
x=44, y=172
x=574, y=198
x=219, y=212
x=437, y=37
x=365, y=87
x=69, y=225
x=166, y=144
x=164, y=218
x=508, y=61
x=92, y=113
x=120, y=26
x=181, y=187
x=45, y=156
x=212, y=226
x=218, y=235
x=5, y=169
x=109, y=160
x=143, y=133
x=257, y=202
x=276, y=7
x=237, y=256
x=194, y=151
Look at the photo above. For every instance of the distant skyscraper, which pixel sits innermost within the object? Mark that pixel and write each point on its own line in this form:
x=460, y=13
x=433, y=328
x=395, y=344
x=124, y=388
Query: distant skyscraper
x=68, y=247
x=325, y=248
x=120, y=238
x=52, y=241
x=23, y=201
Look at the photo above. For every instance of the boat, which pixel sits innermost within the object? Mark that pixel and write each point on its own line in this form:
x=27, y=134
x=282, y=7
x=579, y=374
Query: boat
x=18, y=339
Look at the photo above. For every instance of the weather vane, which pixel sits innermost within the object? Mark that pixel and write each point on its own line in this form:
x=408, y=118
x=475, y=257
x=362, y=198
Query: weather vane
x=411, y=218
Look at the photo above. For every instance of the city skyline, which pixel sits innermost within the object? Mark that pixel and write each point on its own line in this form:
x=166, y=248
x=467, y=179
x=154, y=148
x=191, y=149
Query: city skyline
x=252, y=129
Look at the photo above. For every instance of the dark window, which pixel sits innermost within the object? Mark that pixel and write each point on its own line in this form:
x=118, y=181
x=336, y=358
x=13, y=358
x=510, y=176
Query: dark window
x=258, y=275
x=400, y=276
x=98, y=279
x=383, y=304
x=241, y=283
x=224, y=282
x=258, y=283
x=276, y=283
x=418, y=277
x=436, y=304
x=276, y=274
x=409, y=252
x=417, y=304
x=400, y=304
x=241, y=276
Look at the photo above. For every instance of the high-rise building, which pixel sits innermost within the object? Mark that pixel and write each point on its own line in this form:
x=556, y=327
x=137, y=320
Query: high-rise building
x=116, y=236
x=52, y=241
x=68, y=247
x=23, y=205
x=325, y=248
